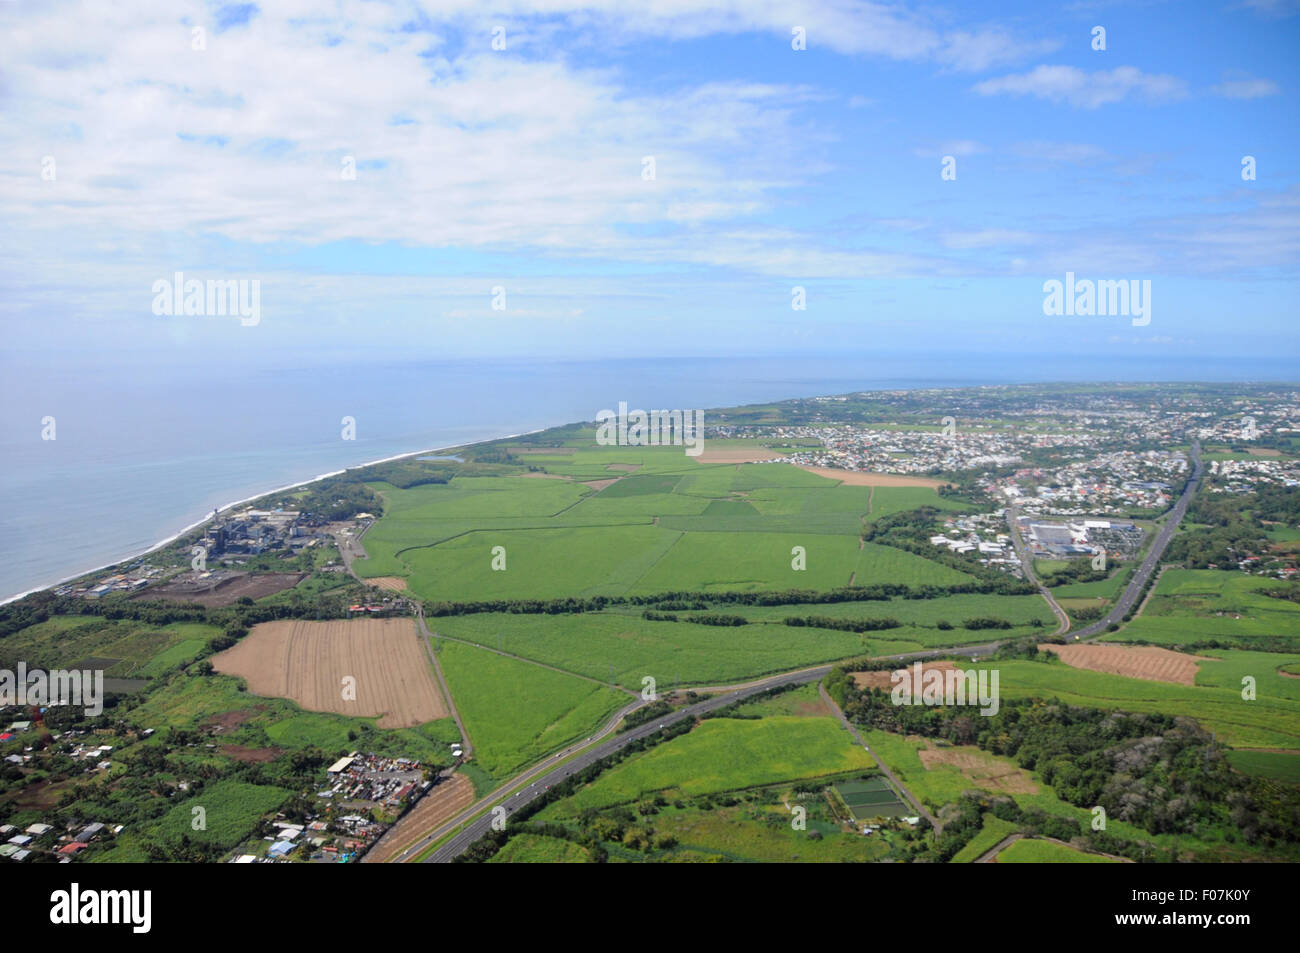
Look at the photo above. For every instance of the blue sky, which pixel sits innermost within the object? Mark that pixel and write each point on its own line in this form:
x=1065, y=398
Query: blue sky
x=522, y=169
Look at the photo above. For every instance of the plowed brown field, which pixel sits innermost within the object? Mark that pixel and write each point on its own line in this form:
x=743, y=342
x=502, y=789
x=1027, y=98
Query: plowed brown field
x=884, y=680
x=1136, y=661
x=308, y=661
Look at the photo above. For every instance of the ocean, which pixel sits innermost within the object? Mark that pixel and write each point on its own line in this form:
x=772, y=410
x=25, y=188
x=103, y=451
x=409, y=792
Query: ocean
x=139, y=455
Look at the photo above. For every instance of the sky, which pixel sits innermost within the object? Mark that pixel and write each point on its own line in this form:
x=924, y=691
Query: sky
x=647, y=179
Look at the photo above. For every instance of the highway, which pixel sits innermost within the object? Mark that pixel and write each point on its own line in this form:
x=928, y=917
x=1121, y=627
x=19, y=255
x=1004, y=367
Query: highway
x=1131, y=592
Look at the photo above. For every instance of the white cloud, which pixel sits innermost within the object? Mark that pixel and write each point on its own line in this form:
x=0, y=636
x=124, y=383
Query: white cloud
x=952, y=147
x=1246, y=88
x=1069, y=84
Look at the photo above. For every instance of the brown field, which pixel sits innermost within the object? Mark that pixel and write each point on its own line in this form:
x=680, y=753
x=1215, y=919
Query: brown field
x=251, y=755
x=599, y=485
x=982, y=768
x=1136, y=661
x=227, y=591
x=536, y=475
x=391, y=583
x=1264, y=452
x=443, y=802
x=230, y=720
x=307, y=662
x=863, y=478
x=882, y=679
x=738, y=455
x=624, y=467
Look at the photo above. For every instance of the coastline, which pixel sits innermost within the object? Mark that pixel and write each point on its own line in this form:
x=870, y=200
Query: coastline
x=257, y=496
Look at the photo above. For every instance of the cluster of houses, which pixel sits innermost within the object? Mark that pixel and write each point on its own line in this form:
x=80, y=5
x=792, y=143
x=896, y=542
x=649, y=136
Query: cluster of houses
x=1119, y=480
x=906, y=451
x=358, y=783
x=63, y=845
x=1242, y=476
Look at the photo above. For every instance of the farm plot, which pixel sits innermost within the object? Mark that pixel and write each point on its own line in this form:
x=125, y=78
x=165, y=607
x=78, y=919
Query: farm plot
x=309, y=662
x=686, y=653
x=724, y=754
x=516, y=712
x=1270, y=721
x=1039, y=851
x=1139, y=661
x=869, y=798
x=1197, y=605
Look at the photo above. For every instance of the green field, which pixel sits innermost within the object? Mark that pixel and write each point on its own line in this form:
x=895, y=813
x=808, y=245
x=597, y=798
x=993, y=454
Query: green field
x=516, y=712
x=1197, y=605
x=1035, y=851
x=536, y=849
x=137, y=649
x=231, y=811
x=667, y=523
x=762, y=833
x=723, y=754
x=1279, y=765
x=991, y=834
x=687, y=653
x=1272, y=720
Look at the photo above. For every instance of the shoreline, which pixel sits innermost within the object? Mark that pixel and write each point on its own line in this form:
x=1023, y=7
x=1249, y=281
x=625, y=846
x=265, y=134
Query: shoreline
x=257, y=496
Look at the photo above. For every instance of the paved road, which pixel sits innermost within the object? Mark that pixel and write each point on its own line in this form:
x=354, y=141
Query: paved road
x=1027, y=565
x=1134, y=589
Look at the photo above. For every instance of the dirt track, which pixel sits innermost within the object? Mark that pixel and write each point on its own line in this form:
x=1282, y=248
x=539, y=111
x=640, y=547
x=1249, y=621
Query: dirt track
x=1136, y=661
x=308, y=662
